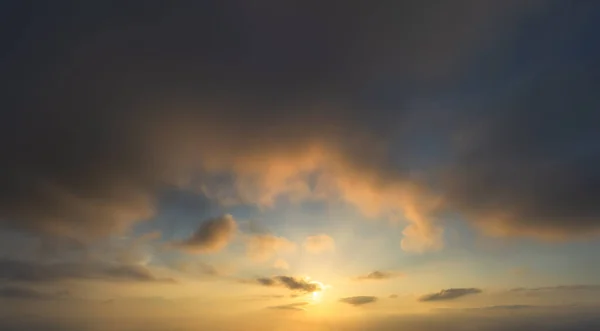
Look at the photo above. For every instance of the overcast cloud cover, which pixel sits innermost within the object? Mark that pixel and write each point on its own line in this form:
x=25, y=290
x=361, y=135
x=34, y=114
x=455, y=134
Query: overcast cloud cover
x=443, y=124
x=117, y=104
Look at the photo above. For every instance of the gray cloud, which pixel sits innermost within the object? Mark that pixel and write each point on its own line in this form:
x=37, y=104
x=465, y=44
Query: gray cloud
x=449, y=294
x=291, y=283
x=212, y=235
x=359, y=300
x=540, y=177
x=93, y=128
x=22, y=271
x=298, y=306
x=266, y=281
x=379, y=275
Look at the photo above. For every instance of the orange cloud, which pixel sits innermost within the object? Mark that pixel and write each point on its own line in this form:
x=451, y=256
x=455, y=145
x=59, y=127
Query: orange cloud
x=264, y=177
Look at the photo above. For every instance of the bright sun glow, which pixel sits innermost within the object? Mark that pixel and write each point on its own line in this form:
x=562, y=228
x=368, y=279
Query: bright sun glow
x=316, y=296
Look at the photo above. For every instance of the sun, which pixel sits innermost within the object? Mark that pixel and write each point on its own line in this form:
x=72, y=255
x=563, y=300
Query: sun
x=316, y=296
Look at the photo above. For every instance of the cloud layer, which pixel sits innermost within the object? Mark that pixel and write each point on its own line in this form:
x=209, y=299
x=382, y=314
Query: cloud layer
x=116, y=124
x=93, y=129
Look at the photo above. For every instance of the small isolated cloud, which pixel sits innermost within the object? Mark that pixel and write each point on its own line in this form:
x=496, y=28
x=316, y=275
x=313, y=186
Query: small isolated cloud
x=18, y=292
x=319, y=244
x=393, y=296
x=359, y=300
x=449, y=294
x=378, y=275
x=212, y=235
x=291, y=283
x=296, y=306
x=262, y=247
x=281, y=264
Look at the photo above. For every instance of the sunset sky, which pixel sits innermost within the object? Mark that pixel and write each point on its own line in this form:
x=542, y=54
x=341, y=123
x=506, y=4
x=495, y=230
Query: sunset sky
x=300, y=165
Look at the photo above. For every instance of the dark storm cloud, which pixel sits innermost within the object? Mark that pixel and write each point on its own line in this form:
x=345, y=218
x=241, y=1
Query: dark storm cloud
x=22, y=271
x=212, y=235
x=104, y=104
x=528, y=162
x=291, y=283
x=449, y=294
x=358, y=300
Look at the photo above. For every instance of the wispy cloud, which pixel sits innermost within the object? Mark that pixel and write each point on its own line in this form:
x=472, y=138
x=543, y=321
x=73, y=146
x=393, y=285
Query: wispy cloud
x=297, y=306
x=449, y=294
x=379, y=275
x=359, y=300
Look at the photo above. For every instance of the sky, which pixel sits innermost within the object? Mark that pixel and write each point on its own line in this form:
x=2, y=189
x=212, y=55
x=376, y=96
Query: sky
x=300, y=165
